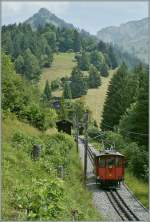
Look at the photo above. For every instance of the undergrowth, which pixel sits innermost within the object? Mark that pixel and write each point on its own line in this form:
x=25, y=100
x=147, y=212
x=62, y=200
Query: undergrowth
x=37, y=189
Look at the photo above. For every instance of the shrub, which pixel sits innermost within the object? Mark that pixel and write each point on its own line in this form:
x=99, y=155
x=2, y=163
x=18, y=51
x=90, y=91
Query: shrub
x=25, y=142
x=42, y=200
x=93, y=132
x=38, y=117
x=55, y=84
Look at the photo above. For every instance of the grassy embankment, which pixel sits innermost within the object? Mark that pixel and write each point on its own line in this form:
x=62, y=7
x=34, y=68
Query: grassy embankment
x=138, y=187
x=19, y=171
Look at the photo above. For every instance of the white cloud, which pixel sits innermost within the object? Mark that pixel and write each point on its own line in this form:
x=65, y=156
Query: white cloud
x=14, y=11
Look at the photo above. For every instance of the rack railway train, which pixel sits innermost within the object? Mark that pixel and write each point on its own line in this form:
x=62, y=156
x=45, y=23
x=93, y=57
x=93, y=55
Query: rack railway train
x=109, y=167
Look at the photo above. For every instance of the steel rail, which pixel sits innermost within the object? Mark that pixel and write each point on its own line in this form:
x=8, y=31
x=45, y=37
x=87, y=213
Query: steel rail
x=121, y=207
x=115, y=206
x=124, y=203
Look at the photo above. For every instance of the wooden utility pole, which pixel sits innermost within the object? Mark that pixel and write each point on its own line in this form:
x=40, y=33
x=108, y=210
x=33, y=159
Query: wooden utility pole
x=76, y=126
x=86, y=146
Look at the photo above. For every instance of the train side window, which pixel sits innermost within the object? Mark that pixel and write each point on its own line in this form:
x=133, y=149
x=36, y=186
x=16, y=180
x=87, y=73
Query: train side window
x=101, y=162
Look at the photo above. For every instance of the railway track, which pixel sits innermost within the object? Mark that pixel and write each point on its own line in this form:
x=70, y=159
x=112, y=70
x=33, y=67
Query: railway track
x=115, y=199
x=125, y=213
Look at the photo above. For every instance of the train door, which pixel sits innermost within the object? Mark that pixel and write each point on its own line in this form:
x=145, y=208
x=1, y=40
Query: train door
x=101, y=168
x=110, y=168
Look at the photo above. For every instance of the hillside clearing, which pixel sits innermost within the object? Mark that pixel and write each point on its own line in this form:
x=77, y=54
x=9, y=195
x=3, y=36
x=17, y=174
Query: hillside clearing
x=62, y=66
x=95, y=98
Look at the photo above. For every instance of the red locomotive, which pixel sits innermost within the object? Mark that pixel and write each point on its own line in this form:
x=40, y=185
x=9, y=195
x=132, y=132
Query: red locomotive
x=109, y=168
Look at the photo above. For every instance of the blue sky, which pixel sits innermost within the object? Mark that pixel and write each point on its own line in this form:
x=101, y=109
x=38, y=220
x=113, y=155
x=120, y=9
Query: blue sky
x=91, y=16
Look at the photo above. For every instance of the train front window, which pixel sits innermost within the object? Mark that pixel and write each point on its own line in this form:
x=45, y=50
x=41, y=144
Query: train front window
x=118, y=162
x=111, y=162
x=101, y=162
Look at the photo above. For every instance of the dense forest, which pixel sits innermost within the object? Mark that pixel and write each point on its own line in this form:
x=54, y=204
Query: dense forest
x=31, y=50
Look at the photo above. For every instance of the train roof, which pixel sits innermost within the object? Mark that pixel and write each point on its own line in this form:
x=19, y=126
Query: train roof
x=106, y=152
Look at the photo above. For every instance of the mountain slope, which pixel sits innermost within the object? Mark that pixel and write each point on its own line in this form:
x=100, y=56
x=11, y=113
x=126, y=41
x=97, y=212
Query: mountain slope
x=131, y=37
x=44, y=16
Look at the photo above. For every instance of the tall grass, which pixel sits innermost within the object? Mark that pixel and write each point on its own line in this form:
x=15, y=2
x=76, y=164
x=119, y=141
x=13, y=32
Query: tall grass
x=138, y=187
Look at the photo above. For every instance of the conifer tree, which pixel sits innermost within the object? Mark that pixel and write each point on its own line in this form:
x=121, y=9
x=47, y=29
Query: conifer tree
x=19, y=64
x=78, y=84
x=31, y=67
x=116, y=102
x=47, y=91
x=67, y=91
x=112, y=58
x=136, y=117
x=97, y=59
x=84, y=61
x=94, y=77
x=102, y=47
x=77, y=41
x=104, y=70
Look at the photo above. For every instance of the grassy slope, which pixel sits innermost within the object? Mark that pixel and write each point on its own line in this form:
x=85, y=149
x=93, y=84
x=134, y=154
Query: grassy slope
x=16, y=164
x=19, y=169
x=138, y=187
x=95, y=98
x=61, y=66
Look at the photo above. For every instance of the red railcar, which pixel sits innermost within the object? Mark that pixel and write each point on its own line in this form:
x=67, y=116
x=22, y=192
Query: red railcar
x=109, y=168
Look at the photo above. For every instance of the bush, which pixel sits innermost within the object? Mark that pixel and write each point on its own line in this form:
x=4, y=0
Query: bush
x=137, y=160
x=93, y=132
x=55, y=84
x=25, y=142
x=42, y=200
x=58, y=146
x=38, y=117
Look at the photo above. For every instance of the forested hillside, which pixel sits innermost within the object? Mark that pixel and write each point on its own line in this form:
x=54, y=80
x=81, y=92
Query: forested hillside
x=33, y=50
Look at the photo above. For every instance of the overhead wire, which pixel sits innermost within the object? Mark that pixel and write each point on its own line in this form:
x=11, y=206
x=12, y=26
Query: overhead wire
x=129, y=132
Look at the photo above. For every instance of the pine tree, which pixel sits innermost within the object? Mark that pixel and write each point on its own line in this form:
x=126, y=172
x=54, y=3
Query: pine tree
x=47, y=91
x=84, y=61
x=94, y=79
x=104, y=70
x=136, y=117
x=67, y=91
x=97, y=59
x=112, y=58
x=77, y=41
x=19, y=64
x=118, y=99
x=63, y=111
x=102, y=47
x=31, y=67
x=78, y=84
